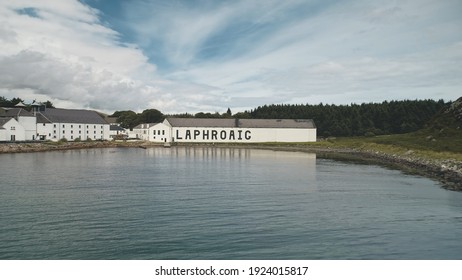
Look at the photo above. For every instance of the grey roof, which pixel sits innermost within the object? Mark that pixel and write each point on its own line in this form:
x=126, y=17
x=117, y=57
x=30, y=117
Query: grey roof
x=42, y=119
x=116, y=127
x=244, y=123
x=16, y=112
x=72, y=116
x=4, y=120
x=145, y=125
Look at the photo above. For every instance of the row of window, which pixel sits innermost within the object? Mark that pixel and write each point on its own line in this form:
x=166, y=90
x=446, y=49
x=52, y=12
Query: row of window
x=80, y=132
x=72, y=137
x=72, y=126
x=158, y=132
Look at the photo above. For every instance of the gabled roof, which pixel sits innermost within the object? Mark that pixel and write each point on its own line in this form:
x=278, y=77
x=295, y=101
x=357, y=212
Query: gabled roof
x=116, y=128
x=4, y=120
x=198, y=122
x=244, y=123
x=277, y=123
x=17, y=112
x=145, y=125
x=72, y=116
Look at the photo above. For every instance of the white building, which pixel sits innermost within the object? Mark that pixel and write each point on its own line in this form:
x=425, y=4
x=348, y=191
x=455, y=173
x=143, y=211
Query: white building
x=141, y=131
x=159, y=132
x=194, y=130
x=55, y=124
x=26, y=119
x=11, y=130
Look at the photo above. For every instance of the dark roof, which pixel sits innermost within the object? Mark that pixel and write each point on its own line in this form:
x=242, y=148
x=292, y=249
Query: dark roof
x=115, y=127
x=4, y=120
x=244, y=123
x=42, y=119
x=16, y=112
x=145, y=125
x=72, y=116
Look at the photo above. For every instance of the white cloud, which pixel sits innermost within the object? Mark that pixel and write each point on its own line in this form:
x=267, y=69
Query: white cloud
x=64, y=53
x=238, y=54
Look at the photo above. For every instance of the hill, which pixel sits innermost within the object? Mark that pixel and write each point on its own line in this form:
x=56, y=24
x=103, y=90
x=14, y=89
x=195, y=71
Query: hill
x=443, y=133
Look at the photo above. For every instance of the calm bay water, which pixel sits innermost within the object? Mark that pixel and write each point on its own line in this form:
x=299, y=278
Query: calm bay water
x=217, y=203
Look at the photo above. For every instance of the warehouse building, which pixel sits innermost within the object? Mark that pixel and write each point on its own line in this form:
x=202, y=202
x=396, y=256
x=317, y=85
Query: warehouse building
x=196, y=130
x=55, y=124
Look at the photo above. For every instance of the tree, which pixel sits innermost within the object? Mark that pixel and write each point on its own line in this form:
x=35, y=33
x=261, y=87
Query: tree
x=151, y=116
x=48, y=104
x=127, y=119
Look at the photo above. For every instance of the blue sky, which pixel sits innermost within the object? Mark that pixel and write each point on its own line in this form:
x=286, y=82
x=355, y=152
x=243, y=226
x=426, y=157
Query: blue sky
x=192, y=56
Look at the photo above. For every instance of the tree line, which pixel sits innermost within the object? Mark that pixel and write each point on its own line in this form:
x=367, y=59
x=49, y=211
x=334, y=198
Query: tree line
x=368, y=119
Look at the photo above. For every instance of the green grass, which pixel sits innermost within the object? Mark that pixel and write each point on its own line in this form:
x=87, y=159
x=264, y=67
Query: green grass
x=425, y=143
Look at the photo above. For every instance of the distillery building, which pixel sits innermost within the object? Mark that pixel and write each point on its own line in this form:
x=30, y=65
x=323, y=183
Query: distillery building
x=209, y=130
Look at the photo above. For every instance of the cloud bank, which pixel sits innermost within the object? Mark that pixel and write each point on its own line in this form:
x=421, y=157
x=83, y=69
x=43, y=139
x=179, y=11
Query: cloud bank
x=191, y=56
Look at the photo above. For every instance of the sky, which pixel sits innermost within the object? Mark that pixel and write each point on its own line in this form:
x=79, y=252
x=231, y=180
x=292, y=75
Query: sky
x=209, y=55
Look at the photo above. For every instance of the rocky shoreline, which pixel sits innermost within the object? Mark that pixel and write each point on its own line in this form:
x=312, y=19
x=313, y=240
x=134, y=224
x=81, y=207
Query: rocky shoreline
x=448, y=172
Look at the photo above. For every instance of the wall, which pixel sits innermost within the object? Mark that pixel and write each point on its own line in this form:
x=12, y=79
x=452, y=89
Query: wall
x=73, y=131
x=29, y=124
x=242, y=135
x=45, y=131
x=159, y=133
x=12, y=127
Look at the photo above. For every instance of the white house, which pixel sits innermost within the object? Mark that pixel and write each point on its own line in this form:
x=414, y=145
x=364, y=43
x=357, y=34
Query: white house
x=142, y=131
x=159, y=132
x=11, y=130
x=26, y=119
x=55, y=124
x=196, y=130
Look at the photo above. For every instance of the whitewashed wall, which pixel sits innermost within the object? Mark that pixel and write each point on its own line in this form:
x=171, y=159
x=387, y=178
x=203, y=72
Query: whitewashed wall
x=73, y=131
x=13, y=127
x=29, y=125
x=241, y=135
x=45, y=130
x=159, y=133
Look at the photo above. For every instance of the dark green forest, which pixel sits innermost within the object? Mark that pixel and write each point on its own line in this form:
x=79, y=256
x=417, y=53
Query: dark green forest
x=366, y=119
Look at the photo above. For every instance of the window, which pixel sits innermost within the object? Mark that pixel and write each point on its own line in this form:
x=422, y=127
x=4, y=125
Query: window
x=80, y=131
x=163, y=132
x=72, y=132
x=80, y=126
x=72, y=137
x=64, y=131
x=54, y=131
x=158, y=132
x=54, y=126
x=43, y=124
x=101, y=127
x=63, y=125
x=13, y=128
x=154, y=132
x=72, y=126
x=94, y=126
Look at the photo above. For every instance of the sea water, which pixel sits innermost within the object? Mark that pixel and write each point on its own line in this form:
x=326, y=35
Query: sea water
x=219, y=203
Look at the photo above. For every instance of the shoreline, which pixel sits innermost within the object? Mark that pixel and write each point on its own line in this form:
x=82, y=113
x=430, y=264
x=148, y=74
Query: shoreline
x=448, y=172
